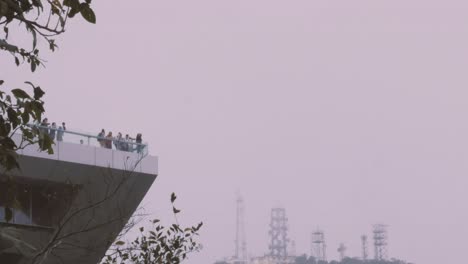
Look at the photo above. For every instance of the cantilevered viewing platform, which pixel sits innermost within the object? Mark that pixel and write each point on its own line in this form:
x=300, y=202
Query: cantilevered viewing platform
x=85, y=148
x=72, y=203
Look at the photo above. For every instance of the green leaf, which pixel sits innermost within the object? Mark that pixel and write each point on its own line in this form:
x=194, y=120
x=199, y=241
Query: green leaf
x=120, y=243
x=199, y=226
x=13, y=117
x=173, y=197
x=33, y=66
x=52, y=45
x=73, y=11
x=25, y=117
x=176, y=211
x=30, y=83
x=33, y=33
x=46, y=144
x=71, y=3
x=28, y=135
x=38, y=109
x=38, y=93
x=18, y=93
x=87, y=13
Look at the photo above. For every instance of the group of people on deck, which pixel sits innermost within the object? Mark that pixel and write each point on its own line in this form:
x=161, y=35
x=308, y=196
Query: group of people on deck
x=120, y=143
x=106, y=141
x=52, y=130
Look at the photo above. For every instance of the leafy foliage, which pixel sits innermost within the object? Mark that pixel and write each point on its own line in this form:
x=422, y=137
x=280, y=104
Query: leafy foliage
x=40, y=18
x=160, y=245
x=43, y=19
x=16, y=112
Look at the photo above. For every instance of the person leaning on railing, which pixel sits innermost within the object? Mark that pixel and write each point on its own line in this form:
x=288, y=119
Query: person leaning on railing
x=127, y=143
x=108, y=140
x=100, y=137
x=121, y=143
x=118, y=141
x=138, y=140
x=52, y=130
x=60, y=131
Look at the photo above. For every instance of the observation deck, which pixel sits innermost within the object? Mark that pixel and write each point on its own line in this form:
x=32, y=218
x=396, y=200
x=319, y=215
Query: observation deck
x=85, y=148
x=77, y=199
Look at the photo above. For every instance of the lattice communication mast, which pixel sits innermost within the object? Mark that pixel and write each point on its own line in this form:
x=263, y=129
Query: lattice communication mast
x=241, y=245
x=342, y=251
x=278, y=234
x=319, y=247
x=380, y=242
x=365, y=252
x=292, y=250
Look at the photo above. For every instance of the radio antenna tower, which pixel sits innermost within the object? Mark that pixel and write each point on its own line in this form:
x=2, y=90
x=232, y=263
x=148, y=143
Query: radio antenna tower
x=342, y=251
x=278, y=234
x=292, y=251
x=365, y=252
x=319, y=248
x=241, y=245
x=380, y=242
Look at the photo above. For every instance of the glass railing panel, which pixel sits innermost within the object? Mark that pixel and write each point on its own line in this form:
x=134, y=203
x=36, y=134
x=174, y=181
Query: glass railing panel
x=75, y=153
x=104, y=157
x=127, y=161
x=94, y=150
x=76, y=137
x=33, y=150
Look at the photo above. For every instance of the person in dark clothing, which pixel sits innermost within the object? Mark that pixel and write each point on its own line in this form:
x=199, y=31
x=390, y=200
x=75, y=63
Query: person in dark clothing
x=60, y=132
x=100, y=138
x=139, y=141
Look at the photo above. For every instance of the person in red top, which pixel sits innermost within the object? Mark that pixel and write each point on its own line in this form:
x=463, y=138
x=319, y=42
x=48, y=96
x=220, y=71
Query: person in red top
x=108, y=141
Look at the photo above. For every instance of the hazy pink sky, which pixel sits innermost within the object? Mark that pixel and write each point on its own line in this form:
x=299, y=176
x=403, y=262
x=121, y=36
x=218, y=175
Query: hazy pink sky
x=347, y=113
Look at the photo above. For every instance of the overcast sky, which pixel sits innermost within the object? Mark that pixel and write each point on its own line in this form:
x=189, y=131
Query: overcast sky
x=346, y=113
